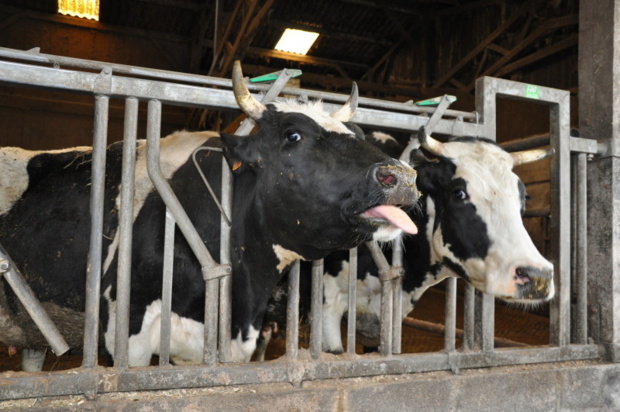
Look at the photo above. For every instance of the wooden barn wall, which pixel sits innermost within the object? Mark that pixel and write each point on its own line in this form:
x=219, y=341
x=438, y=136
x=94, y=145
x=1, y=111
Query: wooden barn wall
x=37, y=119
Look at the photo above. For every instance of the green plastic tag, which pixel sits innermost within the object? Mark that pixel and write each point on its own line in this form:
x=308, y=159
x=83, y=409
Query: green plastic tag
x=532, y=91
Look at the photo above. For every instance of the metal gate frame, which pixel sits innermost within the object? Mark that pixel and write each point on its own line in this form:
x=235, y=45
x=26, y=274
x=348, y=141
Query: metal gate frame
x=161, y=87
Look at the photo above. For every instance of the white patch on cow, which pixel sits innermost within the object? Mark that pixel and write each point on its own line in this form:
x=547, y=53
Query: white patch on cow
x=386, y=233
x=14, y=178
x=316, y=112
x=175, y=150
x=285, y=256
x=492, y=187
x=383, y=137
x=240, y=350
x=186, y=338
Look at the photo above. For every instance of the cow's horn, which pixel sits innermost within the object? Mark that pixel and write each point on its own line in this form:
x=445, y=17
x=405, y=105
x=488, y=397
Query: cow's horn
x=248, y=104
x=529, y=156
x=432, y=145
x=346, y=112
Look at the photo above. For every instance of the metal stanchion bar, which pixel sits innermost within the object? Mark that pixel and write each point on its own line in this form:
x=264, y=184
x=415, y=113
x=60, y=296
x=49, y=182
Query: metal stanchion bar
x=316, y=310
x=292, y=313
x=93, y=273
x=352, y=311
x=125, y=228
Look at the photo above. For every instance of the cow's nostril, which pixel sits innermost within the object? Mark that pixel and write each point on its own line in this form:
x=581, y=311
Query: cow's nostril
x=386, y=178
x=521, y=276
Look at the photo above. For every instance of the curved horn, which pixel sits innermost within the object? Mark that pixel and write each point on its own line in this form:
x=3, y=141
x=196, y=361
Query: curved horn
x=346, y=112
x=432, y=145
x=247, y=103
x=529, y=156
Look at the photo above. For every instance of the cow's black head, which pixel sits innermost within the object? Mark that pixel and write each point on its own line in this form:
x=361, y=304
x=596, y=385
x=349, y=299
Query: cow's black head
x=474, y=203
x=318, y=186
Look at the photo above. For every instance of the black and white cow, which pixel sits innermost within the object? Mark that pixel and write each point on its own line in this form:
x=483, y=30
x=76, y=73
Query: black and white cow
x=470, y=226
x=304, y=186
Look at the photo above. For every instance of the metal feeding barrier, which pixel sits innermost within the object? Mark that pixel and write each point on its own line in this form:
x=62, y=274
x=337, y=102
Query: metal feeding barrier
x=107, y=81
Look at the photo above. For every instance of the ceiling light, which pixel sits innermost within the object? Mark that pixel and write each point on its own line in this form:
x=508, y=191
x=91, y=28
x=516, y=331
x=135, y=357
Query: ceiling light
x=87, y=9
x=296, y=41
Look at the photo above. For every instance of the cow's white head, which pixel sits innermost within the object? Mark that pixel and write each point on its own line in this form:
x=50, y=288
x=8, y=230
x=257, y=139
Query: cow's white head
x=475, y=202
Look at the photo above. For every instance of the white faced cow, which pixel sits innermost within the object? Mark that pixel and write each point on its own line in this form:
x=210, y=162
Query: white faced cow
x=304, y=186
x=470, y=226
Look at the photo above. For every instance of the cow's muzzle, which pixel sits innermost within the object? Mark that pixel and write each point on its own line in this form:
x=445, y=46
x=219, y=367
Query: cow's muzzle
x=533, y=283
x=398, y=183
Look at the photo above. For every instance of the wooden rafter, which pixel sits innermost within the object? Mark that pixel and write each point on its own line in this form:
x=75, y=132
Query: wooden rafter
x=539, y=55
x=547, y=26
x=484, y=43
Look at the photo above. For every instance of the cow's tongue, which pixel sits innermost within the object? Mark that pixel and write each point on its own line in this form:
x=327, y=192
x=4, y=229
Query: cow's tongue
x=395, y=216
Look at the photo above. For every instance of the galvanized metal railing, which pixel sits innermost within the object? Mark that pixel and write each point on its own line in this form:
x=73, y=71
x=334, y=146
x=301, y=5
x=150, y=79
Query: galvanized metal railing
x=160, y=88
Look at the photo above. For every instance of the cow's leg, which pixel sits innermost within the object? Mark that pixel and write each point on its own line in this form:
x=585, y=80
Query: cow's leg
x=266, y=334
x=32, y=360
x=334, y=307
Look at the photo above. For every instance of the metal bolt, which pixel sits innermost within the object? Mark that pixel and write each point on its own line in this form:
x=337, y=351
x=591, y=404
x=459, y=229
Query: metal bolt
x=4, y=266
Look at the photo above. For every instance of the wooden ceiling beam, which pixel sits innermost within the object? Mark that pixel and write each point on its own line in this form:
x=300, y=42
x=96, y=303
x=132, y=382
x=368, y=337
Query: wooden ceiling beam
x=543, y=29
x=484, y=43
x=539, y=55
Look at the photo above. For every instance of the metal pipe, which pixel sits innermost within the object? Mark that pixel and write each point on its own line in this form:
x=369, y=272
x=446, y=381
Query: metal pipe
x=225, y=282
x=93, y=272
x=125, y=229
x=397, y=296
x=387, y=298
x=581, y=312
x=292, y=313
x=469, y=310
x=316, y=310
x=166, y=290
x=26, y=296
x=450, y=328
x=352, y=310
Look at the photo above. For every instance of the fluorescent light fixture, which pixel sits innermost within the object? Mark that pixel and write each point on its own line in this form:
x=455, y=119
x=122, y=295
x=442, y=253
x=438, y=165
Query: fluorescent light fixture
x=87, y=9
x=296, y=41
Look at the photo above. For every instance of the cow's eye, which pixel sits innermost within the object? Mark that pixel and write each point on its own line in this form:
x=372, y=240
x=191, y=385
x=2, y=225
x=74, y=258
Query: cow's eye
x=460, y=194
x=292, y=137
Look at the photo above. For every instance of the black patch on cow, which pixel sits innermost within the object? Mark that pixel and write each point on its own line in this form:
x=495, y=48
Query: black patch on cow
x=462, y=228
x=456, y=268
x=52, y=219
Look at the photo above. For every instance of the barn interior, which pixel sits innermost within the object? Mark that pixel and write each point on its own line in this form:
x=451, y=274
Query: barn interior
x=405, y=50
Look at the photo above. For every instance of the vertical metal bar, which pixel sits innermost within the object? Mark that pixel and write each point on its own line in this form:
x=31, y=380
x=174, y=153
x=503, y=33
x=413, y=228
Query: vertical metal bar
x=559, y=133
x=352, y=309
x=469, y=311
x=93, y=273
x=387, y=298
x=166, y=290
x=316, y=310
x=211, y=326
x=125, y=227
x=292, y=313
x=450, y=331
x=397, y=295
x=485, y=322
x=581, y=312
x=225, y=282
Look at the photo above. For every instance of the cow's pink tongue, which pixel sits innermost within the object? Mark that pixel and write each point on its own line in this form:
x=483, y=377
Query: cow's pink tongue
x=395, y=216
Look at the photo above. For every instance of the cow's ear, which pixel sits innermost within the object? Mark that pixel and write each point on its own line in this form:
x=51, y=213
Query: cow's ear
x=240, y=152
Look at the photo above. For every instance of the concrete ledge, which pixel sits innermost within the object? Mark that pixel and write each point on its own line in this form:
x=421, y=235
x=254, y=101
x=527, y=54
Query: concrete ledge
x=574, y=386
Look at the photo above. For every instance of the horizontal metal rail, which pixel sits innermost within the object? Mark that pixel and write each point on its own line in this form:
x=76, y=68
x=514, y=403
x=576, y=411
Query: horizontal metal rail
x=98, y=381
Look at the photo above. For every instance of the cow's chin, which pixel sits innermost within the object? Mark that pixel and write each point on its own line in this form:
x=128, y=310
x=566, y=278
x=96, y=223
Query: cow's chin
x=386, y=232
